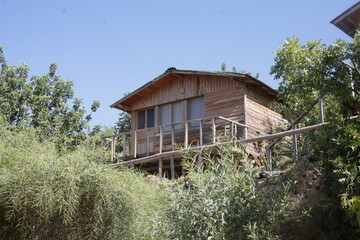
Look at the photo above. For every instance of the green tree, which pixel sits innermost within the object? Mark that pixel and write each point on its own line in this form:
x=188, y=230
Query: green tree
x=313, y=69
x=43, y=102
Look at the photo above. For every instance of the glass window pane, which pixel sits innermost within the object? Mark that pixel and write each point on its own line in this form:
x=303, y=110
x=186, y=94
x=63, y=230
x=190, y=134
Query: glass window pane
x=176, y=114
x=150, y=118
x=165, y=116
x=196, y=110
x=141, y=119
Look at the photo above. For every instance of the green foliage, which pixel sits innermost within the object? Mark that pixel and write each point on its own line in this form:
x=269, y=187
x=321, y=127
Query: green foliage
x=314, y=69
x=44, y=195
x=223, y=200
x=223, y=66
x=43, y=102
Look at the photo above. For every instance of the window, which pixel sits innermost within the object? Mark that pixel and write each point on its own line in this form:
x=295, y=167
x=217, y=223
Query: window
x=165, y=116
x=150, y=118
x=176, y=114
x=141, y=119
x=196, y=110
x=146, y=118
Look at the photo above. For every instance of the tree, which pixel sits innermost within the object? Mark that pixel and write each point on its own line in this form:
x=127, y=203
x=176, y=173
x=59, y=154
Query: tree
x=43, y=102
x=313, y=69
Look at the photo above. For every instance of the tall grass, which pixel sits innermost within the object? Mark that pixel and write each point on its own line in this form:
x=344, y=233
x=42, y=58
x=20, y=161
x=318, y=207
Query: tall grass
x=223, y=200
x=44, y=195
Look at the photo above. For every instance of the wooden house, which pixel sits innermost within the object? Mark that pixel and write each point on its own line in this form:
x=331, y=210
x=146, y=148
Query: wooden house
x=187, y=109
x=349, y=21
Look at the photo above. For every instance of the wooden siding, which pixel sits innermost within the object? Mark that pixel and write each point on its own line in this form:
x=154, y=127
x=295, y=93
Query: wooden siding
x=259, y=117
x=228, y=103
x=183, y=87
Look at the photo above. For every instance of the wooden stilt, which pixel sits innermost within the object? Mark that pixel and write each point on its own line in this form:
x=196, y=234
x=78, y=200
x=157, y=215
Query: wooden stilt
x=268, y=156
x=294, y=145
x=172, y=169
x=160, y=168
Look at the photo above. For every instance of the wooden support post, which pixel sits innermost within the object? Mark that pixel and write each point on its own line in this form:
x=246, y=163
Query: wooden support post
x=160, y=168
x=186, y=134
x=124, y=146
x=135, y=146
x=132, y=166
x=161, y=139
x=200, y=159
x=112, y=148
x=245, y=132
x=172, y=168
x=294, y=144
x=268, y=156
x=232, y=130
x=214, y=130
x=321, y=110
x=172, y=137
x=201, y=133
x=147, y=142
x=102, y=145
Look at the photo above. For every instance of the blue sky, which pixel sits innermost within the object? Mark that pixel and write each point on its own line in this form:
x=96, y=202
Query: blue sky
x=108, y=48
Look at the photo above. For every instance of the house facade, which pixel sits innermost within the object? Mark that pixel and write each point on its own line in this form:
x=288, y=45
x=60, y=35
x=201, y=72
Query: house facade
x=188, y=109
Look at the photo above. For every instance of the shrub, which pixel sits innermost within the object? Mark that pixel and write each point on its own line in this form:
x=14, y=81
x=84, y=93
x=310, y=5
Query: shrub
x=223, y=200
x=44, y=195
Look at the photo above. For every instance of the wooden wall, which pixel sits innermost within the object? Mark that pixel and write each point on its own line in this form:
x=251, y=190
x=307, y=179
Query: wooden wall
x=262, y=119
x=227, y=103
x=183, y=87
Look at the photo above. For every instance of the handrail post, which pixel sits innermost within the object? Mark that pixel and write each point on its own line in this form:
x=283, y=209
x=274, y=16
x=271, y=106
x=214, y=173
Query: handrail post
x=214, y=130
x=147, y=142
x=321, y=110
x=294, y=144
x=268, y=156
x=172, y=137
x=135, y=146
x=124, y=146
x=186, y=134
x=201, y=133
x=172, y=167
x=112, y=148
x=161, y=139
x=160, y=168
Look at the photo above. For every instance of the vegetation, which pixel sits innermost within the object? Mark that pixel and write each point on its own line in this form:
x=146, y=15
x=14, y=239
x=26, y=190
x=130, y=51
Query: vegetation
x=222, y=199
x=71, y=194
x=45, y=195
x=315, y=69
x=42, y=102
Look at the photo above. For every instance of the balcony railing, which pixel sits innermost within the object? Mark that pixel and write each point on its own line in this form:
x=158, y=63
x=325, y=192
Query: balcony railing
x=171, y=137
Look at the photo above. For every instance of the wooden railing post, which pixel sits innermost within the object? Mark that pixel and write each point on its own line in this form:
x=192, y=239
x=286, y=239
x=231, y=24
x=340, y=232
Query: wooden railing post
x=147, y=142
x=124, y=146
x=135, y=146
x=186, y=134
x=201, y=133
x=214, y=130
x=172, y=168
x=268, y=156
x=161, y=139
x=160, y=168
x=232, y=130
x=172, y=137
x=321, y=110
x=112, y=148
x=294, y=144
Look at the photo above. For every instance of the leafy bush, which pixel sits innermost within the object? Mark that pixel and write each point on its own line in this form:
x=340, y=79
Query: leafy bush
x=73, y=196
x=223, y=200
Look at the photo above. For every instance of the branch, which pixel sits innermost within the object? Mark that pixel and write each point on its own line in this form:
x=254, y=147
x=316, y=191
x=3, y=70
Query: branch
x=356, y=68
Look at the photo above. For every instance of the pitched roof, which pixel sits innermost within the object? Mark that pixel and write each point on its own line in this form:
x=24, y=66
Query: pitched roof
x=349, y=20
x=142, y=90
